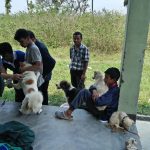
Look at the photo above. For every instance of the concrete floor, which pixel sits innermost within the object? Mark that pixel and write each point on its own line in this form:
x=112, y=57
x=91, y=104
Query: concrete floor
x=83, y=133
x=143, y=128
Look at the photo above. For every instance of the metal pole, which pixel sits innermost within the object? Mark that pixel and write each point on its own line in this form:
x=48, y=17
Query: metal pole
x=92, y=7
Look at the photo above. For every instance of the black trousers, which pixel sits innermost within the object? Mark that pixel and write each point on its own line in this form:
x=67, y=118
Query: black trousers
x=19, y=95
x=76, y=79
x=44, y=89
x=1, y=86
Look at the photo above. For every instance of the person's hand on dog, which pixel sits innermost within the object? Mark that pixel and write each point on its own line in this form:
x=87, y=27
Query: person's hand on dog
x=95, y=95
x=17, y=77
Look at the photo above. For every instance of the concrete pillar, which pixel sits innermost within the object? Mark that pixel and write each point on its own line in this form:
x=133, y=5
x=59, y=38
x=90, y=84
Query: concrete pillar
x=137, y=25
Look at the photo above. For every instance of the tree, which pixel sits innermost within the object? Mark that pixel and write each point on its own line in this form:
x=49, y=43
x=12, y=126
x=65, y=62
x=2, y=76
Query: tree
x=77, y=6
x=30, y=5
x=8, y=6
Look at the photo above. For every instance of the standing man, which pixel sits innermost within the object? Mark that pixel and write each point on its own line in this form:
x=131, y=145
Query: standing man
x=48, y=65
x=79, y=55
x=33, y=55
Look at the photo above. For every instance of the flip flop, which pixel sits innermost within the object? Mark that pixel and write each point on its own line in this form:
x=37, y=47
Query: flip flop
x=61, y=115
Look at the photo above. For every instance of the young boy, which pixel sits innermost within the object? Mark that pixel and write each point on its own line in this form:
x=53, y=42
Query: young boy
x=79, y=55
x=33, y=55
x=92, y=99
x=11, y=60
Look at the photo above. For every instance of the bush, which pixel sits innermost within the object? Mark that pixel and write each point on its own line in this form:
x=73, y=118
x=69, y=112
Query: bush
x=102, y=32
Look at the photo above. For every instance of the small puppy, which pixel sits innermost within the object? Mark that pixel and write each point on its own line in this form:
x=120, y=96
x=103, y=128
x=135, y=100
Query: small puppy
x=70, y=92
x=32, y=102
x=119, y=121
x=131, y=144
x=99, y=83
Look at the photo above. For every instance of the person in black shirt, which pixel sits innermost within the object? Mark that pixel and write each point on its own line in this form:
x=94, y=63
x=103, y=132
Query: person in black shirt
x=48, y=65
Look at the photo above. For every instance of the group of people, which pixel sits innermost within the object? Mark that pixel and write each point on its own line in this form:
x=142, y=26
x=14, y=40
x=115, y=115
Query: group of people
x=38, y=56
x=79, y=55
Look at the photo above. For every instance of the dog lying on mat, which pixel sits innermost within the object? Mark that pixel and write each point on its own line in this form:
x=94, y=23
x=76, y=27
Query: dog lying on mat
x=120, y=121
x=32, y=102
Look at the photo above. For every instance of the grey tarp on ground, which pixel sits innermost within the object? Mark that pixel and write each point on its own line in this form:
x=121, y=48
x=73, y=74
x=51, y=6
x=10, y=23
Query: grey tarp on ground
x=83, y=133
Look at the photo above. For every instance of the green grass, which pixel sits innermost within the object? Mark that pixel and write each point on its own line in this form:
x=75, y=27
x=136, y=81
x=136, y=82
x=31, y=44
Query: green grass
x=100, y=62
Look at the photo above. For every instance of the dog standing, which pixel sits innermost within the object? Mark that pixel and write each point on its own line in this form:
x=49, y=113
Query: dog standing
x=120, y=121
x=70, y=92
x=32, y=102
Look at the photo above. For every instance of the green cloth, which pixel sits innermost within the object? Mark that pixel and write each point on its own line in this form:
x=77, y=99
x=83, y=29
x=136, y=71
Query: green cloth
x=17, y=134
x=5, y=146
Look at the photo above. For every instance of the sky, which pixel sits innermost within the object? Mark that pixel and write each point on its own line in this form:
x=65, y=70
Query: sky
x=20, y=5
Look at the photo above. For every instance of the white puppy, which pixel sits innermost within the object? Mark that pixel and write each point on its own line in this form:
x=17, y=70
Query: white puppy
x=120, y=118
x=131, y=144
x=99, y=82
x=100, y=86
x=32, y=102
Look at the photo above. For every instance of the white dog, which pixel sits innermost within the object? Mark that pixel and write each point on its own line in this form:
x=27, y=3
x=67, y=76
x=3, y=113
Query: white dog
x=120, y=118
x=131, y=144
x=99, y=82
x=100, y=86
x=32, y=102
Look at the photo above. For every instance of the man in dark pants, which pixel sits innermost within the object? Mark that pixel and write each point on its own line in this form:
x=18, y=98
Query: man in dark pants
x=48, y=65
x=79, y=55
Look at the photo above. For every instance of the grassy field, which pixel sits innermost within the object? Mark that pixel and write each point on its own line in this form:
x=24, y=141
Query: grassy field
x=103, y=33
x=100, y=62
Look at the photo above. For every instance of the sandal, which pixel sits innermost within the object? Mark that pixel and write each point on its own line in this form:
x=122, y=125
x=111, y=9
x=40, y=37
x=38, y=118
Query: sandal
x=61, y=115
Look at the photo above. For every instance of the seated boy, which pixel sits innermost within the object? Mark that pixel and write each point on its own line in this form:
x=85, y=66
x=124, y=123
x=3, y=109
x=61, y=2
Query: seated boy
x=93, y=100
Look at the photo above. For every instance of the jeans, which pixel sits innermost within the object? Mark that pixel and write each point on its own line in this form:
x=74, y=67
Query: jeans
x=84, y=96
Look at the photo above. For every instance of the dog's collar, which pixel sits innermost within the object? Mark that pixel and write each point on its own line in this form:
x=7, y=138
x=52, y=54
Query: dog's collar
x=122, y=121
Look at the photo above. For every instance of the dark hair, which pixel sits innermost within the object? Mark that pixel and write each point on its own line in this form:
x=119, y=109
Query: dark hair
x=5, y=47
x=31, y=34
x=113, y=72
x=78, y=33
x=21, y=33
